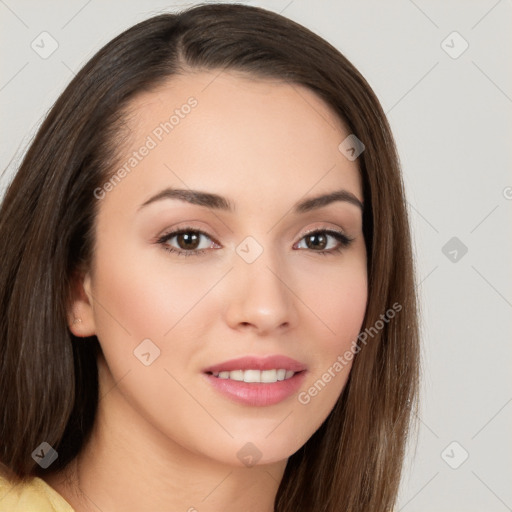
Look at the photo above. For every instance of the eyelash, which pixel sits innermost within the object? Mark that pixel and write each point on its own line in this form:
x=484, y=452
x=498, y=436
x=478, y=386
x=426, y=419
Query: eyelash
x=344, y=241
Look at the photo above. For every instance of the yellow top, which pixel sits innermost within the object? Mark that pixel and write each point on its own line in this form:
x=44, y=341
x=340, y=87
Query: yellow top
x=34, y=496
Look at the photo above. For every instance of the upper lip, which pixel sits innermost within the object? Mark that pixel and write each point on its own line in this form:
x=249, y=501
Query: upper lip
x=257, y=363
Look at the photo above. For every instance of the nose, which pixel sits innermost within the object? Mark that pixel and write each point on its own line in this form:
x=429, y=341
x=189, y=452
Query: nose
x=261, y=298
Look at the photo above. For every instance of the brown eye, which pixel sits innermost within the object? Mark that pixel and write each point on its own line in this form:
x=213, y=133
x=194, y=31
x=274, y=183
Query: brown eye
x=325, y=241
x=188, y=241
x=316, y=241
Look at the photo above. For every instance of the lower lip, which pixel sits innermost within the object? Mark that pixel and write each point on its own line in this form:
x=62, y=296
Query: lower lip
x=256, y=393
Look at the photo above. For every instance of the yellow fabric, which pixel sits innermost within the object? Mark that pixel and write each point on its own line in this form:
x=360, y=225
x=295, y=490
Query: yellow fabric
x=34, y=496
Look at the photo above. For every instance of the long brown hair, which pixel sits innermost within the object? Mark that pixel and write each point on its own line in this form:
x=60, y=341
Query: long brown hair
x=48, y=377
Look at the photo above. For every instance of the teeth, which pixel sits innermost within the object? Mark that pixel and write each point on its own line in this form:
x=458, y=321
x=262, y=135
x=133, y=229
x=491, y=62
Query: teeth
x=265, y=376
x=236, y=375
x=252, y=376
x=268, y=376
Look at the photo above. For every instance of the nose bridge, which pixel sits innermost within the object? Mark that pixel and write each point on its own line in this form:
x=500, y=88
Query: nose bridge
x=260, y=295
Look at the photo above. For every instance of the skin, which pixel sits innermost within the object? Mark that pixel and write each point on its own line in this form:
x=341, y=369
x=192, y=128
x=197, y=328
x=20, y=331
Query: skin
x=162, y=431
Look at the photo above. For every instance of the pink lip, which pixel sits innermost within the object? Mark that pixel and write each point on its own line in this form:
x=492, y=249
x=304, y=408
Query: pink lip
x=257, y=363
x=256, y=393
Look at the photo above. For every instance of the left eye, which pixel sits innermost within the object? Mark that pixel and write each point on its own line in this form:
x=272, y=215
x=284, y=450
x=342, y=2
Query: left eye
x=319, y=241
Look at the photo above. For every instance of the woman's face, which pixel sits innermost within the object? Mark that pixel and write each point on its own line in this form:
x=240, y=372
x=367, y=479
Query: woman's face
x=199, y=329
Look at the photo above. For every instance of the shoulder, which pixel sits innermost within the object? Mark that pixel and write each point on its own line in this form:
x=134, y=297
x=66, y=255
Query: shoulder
x=33, y=495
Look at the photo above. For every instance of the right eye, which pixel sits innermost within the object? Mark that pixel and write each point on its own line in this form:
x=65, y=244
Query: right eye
x=188, y=242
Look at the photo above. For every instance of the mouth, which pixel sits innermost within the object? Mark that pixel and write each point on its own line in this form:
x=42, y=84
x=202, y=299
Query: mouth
x=262, y=376
x=257, y=381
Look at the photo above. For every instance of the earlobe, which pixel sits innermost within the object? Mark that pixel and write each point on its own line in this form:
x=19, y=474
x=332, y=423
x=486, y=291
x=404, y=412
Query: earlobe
x=81, y=312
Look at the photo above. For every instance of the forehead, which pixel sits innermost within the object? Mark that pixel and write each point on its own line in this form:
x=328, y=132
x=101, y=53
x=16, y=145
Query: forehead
x=226, y=131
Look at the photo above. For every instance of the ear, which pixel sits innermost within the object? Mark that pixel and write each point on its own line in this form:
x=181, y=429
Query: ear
x=80, y=314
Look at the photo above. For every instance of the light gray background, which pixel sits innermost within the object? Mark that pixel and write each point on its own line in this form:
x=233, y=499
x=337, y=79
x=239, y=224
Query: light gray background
x=451, y=119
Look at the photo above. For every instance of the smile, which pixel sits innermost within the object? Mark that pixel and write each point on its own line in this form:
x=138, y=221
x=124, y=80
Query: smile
x=257, y=381
x=265, y=376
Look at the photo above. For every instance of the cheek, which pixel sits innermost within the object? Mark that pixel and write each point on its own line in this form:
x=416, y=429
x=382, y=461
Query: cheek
x=135, y=295
x=338, y=299
x=341, y=307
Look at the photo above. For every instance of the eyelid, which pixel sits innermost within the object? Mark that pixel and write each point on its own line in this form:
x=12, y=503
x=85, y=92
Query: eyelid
x=174, y=230
x=324, y=229
x=167, y=235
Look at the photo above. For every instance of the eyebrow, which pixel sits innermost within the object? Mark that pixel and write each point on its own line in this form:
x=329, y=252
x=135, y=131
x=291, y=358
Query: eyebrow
x=218, y=202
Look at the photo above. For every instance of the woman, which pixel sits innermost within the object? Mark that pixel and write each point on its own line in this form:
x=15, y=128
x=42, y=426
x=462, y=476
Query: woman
x=276, y=368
